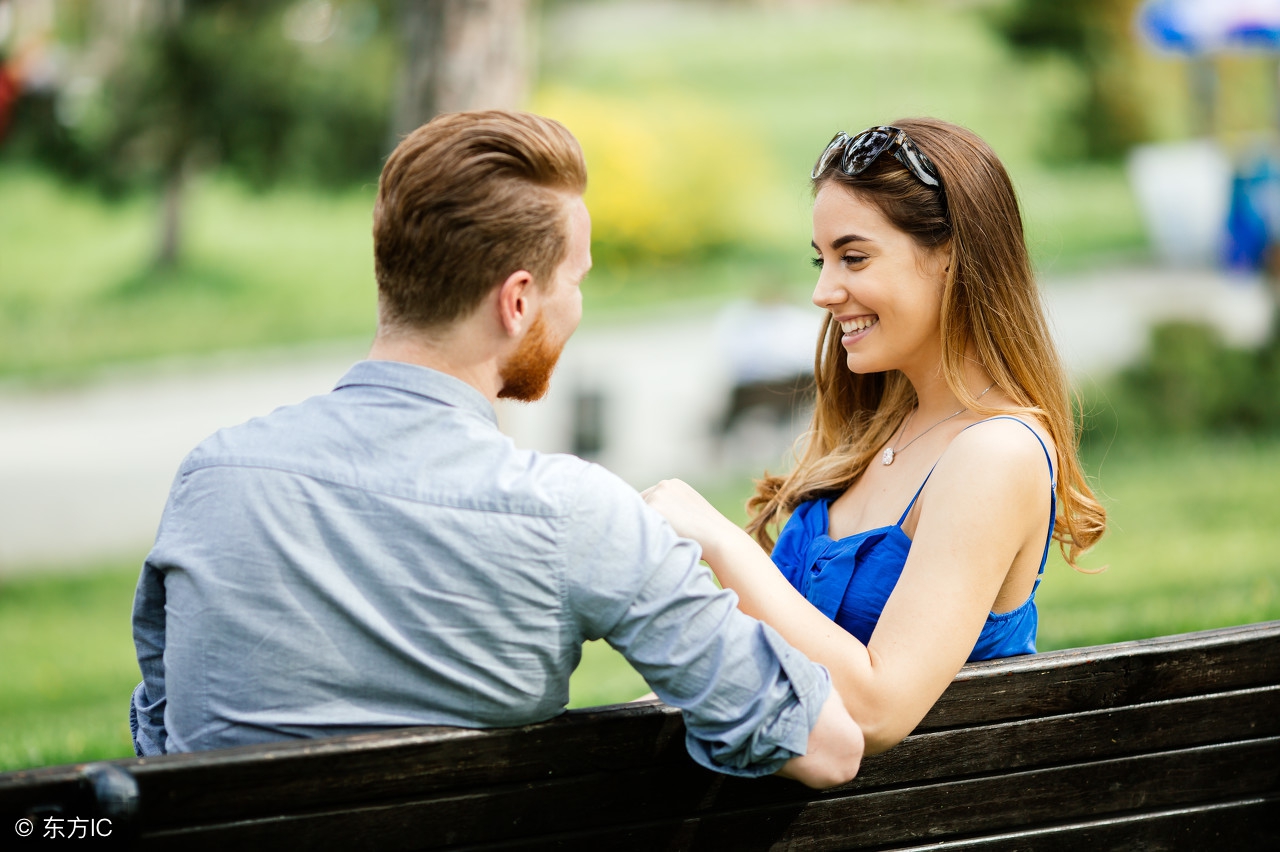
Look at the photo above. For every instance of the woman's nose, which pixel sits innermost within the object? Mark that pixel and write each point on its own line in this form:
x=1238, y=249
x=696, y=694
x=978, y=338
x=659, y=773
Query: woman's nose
x=826, y=293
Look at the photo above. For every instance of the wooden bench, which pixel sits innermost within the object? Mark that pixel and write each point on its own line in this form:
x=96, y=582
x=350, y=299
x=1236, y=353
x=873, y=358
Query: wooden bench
x=1170, y=743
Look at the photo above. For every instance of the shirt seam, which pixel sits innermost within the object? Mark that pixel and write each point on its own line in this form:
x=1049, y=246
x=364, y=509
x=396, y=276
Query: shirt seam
x=568, y=617
x=329, y=480
x=569, y=604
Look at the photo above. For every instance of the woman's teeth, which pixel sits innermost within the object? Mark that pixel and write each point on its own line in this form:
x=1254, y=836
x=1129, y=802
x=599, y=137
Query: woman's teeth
x=858, y=324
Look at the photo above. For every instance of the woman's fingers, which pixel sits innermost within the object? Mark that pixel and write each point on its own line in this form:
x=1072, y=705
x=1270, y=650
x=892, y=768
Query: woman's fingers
x=686, y=510
x=665, y=485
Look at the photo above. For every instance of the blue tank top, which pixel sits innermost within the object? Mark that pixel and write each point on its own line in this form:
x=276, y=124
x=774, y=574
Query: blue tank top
x=850, y=579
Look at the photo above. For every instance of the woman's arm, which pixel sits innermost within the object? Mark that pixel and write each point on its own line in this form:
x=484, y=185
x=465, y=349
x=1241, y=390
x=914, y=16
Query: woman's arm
x=985, y=500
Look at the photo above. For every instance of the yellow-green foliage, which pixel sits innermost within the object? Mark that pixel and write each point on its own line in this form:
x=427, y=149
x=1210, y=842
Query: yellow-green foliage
x=669, y=176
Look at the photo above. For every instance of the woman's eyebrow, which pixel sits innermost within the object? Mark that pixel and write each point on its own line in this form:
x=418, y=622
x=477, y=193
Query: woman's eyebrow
x=846, y=239
x=839, y=243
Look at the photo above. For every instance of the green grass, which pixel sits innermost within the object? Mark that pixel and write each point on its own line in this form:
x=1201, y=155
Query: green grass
x=287, y=267
x=68, y=667
x=1194, y=544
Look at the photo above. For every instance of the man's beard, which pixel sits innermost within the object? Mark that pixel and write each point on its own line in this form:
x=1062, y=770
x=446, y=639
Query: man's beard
x=527, y=373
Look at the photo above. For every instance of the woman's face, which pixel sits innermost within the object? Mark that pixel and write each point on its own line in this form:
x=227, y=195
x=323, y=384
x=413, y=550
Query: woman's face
x=883, y=289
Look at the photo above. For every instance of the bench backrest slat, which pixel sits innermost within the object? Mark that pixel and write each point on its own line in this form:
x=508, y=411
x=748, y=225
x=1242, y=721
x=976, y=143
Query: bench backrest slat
x=610, y=804
x=1096, y=735
x=1110, y=676
x=1243, y=826
x=1098, y=742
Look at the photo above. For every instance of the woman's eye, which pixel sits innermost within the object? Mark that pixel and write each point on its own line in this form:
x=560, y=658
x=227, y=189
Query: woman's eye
x=853, y=259
x=816, y=261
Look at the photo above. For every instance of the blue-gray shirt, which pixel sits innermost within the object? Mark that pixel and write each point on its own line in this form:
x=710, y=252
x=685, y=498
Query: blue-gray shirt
x=382, y=556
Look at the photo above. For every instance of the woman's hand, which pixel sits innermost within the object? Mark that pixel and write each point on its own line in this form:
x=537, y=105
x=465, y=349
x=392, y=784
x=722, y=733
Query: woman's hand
x=689, y=513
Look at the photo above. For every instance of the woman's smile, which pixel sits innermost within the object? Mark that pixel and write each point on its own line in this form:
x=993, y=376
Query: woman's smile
x=856, y=328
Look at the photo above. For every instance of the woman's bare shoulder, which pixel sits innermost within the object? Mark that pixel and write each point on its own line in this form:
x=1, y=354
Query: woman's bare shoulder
x=1004, y=446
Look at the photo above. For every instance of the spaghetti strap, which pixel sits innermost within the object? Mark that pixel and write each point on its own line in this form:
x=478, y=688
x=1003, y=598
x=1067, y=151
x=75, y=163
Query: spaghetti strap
x=1053, y=487
x=1053, y=480
x=907, y=510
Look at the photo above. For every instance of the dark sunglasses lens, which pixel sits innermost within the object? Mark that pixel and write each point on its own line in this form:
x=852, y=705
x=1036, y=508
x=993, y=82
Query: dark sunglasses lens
x=835, y=146
x=863, y=150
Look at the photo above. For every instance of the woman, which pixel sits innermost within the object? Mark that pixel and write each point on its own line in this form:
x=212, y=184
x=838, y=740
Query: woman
x=941, y=460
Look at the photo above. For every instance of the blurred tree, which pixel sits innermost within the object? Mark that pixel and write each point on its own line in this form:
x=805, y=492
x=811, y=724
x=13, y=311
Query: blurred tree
x=1096, y=37
x=268, y=89
x=461, y=54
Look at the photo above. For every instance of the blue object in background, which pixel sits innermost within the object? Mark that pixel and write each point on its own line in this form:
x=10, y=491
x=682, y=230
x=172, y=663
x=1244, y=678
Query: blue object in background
x=1197, y=27
x=1253, y=223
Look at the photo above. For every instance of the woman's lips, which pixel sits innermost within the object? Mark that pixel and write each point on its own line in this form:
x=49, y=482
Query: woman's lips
x=855, y=328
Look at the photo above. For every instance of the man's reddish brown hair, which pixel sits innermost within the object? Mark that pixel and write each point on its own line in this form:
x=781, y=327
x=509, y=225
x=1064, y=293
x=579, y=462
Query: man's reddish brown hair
x=466, y=200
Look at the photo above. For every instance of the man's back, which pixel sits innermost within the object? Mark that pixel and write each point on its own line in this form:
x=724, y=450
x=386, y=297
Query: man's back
x=377, y=556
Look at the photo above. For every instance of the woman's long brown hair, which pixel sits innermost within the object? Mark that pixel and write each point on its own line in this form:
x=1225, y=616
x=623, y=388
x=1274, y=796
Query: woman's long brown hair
x=990, y=308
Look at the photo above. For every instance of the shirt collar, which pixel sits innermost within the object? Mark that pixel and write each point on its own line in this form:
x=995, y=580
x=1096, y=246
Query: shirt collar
x=422, y=381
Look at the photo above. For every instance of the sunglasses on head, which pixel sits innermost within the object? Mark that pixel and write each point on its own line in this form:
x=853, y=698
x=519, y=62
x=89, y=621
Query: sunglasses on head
x=856, y=154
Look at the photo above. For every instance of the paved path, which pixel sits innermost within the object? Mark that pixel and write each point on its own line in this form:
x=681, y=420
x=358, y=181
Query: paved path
x=84, y=471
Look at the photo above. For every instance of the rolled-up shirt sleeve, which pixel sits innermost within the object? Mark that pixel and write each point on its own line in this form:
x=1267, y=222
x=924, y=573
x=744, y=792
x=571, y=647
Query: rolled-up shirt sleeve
x=148, y=701
x=749, y=699
x=146, y=707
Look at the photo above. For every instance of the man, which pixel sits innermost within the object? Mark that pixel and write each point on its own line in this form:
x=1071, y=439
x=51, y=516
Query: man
x=383, y=556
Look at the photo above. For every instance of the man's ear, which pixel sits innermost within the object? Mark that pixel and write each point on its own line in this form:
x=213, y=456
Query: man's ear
x=515, y=302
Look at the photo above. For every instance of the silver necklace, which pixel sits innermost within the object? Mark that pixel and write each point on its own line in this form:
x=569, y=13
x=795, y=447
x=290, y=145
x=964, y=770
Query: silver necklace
x=890, y=453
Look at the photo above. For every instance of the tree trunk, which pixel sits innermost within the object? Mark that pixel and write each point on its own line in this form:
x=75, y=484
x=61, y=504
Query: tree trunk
x=174, y=159
x=168, y=247
x=460, y=55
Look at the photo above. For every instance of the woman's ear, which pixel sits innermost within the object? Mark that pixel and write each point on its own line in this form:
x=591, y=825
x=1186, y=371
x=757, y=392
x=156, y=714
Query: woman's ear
x=939, y=260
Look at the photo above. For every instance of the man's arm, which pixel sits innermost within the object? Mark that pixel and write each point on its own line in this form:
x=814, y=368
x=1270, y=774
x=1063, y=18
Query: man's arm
x=753, y=705
x=146, y=711
x=835, y=749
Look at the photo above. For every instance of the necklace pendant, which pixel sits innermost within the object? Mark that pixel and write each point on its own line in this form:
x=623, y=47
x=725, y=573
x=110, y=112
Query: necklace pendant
x=887, y=457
